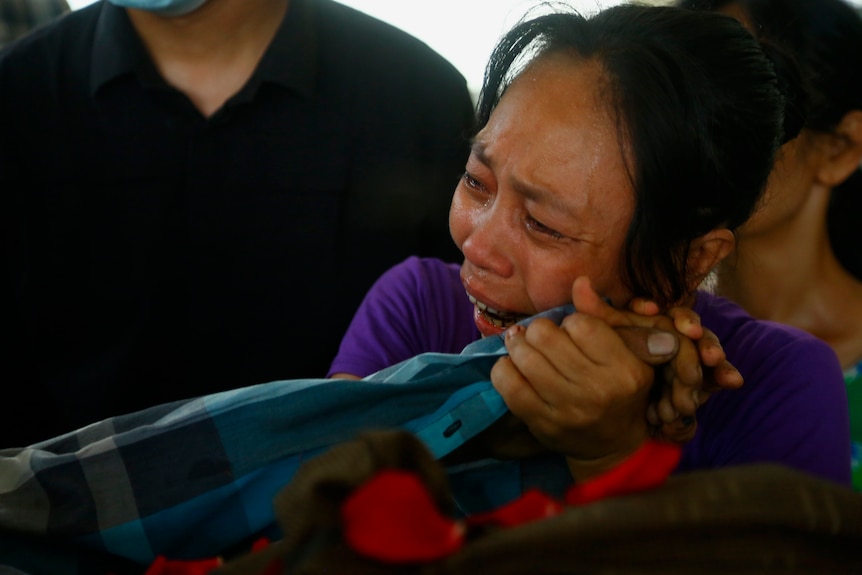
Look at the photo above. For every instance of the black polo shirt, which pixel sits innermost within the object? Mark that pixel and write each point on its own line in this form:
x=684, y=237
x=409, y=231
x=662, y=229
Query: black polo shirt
x=150, y=254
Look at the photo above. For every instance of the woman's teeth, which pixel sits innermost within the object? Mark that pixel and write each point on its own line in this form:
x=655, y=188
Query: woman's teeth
x=496, y=317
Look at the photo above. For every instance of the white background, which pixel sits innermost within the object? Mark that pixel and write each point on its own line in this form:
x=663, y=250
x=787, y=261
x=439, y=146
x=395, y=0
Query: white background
x=463, y=31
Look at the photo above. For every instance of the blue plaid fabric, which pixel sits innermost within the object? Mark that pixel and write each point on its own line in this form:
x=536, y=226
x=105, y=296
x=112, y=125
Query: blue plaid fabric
x=192, y=478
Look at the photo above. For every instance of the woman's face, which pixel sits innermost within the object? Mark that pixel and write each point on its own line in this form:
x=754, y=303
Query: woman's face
x=545, y=197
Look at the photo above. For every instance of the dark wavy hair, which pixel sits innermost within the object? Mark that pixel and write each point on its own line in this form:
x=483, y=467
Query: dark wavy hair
x=700, y=114
x=825, y=38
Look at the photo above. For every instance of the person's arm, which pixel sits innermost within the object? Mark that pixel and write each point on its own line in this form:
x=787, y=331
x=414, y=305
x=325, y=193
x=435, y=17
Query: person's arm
x=417, y=306
x=382, y=332
x=792, y=410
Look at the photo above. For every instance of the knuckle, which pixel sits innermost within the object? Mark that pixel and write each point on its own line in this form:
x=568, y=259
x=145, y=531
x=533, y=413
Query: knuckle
x=541, y=332
x=528, y=362
x=500, y=369
x=639, y=375
x=581, y=324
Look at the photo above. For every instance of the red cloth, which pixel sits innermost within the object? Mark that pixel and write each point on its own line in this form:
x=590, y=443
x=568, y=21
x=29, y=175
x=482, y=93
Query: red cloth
x=392, y=517
x=165, y=566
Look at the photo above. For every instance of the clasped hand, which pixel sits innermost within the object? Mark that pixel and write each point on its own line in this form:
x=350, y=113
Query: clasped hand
x=596, y=386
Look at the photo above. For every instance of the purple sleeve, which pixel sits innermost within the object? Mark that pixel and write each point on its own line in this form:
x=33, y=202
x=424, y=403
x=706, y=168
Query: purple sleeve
x=791, y=410
x=417, y=306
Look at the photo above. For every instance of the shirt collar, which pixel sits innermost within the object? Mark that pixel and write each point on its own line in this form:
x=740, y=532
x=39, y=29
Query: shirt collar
x=117, y=50
x=288, y=61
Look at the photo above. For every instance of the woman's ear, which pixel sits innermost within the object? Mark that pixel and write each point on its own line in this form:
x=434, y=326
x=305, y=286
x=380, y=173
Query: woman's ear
x=843, y=151
x=706, y=252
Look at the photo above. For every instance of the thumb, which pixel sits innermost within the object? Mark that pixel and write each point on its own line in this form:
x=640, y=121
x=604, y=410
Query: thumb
x=587, y=301
x=650, y=345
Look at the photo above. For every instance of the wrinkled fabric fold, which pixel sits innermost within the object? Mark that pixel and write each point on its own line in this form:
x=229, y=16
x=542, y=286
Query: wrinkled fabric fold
x=192, y=478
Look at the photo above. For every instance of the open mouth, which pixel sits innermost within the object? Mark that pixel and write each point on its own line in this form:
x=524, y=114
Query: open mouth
x=500, y=319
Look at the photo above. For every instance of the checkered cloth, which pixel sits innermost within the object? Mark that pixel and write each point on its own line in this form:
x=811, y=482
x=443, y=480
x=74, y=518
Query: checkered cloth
x=192, y=478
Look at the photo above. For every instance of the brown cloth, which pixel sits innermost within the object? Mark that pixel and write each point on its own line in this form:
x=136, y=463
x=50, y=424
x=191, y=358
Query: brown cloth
x=755, y=519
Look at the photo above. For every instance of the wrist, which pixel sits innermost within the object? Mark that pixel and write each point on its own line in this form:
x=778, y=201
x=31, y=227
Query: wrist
x=583, y=469
x=649, y=466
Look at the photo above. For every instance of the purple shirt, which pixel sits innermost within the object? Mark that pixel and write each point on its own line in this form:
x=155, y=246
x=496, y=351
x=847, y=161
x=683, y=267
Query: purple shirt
x=791, y=410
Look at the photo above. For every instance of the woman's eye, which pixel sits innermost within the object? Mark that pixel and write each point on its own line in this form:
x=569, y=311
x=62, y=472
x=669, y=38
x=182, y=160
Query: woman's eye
x=471, y=182
x=475, y=187
x=538, y=226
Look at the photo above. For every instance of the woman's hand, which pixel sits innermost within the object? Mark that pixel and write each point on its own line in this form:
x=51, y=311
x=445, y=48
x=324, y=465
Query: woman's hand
x=584, y=388
x=579, y=387
x=698, y=368
x=687, y=381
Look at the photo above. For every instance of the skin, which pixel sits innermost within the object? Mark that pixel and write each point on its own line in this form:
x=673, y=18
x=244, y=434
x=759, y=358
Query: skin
x=210, y=53
x=784, y=269
x=539, y=203
x=541, y=215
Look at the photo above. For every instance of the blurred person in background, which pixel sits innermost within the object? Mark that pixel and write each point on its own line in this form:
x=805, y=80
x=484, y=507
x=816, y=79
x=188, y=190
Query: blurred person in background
x=196, y=194
x=18, y=17
x=798, y=259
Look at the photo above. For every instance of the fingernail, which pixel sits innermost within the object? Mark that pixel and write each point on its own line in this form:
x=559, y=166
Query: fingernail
x=661, y=343
x=514, y=330
x=695, y=397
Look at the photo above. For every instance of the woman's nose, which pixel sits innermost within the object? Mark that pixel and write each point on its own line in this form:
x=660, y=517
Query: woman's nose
x=488, y=244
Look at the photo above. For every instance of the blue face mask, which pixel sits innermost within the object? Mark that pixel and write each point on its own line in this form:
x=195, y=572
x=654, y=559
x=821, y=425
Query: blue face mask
x=164, y=7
